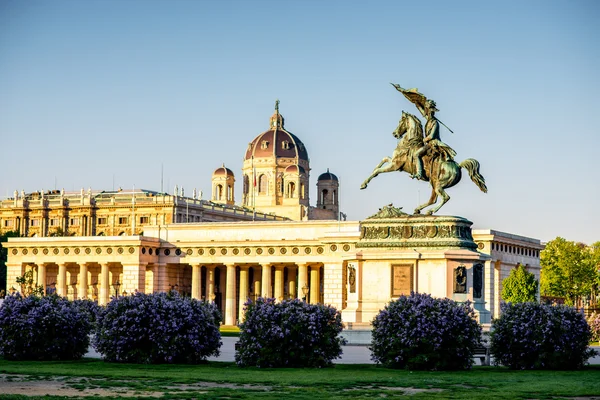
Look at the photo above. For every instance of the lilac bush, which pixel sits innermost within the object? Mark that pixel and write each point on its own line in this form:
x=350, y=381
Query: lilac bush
x=90, y=308
x=291, y=333
x=158, y=328
x=43, y=328
x=424, y=333
x=594, y=323
x=540, y=336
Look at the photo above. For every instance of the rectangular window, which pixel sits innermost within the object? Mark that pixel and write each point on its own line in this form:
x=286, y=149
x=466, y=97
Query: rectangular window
x=74, y=221
x=35, y=222
x=8, y=223
x=144, y=220
x=54, y=222
x=102, y=221
x=122, y=220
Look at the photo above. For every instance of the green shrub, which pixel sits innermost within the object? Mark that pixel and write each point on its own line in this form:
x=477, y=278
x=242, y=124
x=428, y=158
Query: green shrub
x=520, y=286
x=424, y=333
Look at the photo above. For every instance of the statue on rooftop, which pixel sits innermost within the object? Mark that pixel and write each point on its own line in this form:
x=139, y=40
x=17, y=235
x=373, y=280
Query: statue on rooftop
x=426, y=157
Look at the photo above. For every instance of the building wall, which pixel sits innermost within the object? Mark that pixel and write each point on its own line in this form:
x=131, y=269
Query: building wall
x=210, y=260
x=110, y=213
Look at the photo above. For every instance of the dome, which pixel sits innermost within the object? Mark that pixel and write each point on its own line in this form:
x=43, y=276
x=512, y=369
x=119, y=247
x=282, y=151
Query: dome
x=223, y=171
x=294, y=169
x=327, y=176
x=276, y=142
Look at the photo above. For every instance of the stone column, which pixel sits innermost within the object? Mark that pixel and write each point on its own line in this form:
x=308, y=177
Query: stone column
x=278, y=283
x=160, y=278
x=210, y=283
x=61, y=280
x=104, y=297
x=41, y=276
x=230, y=295
x=257, y=280
x=83, y=281
x=243, y=290
x=497, y=287
x=196, y=281
x=266, y=281
x=302, y=278
x=315, y=285
x=293, y=293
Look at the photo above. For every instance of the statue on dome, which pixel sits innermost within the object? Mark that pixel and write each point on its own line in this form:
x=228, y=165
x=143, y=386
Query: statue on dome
x=425, y=156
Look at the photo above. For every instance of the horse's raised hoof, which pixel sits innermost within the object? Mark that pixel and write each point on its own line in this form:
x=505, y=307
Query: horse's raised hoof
x=417, y=212
x=363, y=186
x=429, y=212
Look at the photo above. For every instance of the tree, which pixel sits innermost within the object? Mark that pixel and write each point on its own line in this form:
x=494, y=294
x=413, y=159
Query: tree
x=569, y=269
x=520, y=286
x=4, y=256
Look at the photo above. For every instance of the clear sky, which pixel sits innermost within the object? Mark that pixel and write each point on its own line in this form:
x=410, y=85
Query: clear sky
x=103, y=93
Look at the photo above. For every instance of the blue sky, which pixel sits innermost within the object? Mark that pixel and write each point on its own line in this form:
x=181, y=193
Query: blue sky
x=96, y=92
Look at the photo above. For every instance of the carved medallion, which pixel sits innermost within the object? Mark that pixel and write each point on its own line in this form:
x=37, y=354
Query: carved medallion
x=431, y=231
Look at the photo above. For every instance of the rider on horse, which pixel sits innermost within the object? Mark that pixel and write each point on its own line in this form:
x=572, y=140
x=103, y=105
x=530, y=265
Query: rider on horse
x=432, y=140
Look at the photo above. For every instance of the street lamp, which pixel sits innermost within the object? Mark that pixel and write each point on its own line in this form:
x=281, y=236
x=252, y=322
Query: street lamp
x=305, y=292
x=116, y=286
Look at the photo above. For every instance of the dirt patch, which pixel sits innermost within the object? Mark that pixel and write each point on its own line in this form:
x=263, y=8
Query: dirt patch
x=77, y=387
x=203, y=385
x=60, y=386
x=405, y=390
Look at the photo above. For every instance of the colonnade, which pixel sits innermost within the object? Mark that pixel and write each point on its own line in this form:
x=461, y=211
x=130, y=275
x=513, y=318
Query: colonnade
x=99, y=281
x=251, y=281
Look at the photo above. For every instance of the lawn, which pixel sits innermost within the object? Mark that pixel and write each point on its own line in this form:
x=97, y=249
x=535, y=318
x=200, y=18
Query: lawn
x=97, y=379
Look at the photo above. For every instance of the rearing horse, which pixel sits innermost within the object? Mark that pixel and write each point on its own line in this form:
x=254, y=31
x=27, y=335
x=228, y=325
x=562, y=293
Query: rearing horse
x=440, y=173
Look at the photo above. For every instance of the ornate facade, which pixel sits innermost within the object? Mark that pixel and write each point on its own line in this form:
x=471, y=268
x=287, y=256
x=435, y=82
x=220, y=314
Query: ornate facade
x=323, y=261
x=274, y=244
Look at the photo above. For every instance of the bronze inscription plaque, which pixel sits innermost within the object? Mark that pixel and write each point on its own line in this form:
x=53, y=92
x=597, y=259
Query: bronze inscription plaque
x=402, y=279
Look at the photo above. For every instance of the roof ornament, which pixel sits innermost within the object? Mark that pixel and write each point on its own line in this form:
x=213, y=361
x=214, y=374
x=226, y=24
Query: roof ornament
x=276, y=119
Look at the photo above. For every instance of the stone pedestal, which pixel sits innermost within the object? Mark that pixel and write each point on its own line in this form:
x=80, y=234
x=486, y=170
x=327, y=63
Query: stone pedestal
x=397, y=255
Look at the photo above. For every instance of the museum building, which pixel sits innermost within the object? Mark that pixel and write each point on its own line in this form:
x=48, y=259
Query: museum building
x=98, y=245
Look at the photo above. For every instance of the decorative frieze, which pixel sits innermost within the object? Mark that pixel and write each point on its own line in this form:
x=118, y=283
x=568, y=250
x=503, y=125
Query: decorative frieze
x=416, y=231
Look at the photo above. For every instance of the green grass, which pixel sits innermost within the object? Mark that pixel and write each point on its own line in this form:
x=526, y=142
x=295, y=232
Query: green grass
x=233, y=331
x=226, y=380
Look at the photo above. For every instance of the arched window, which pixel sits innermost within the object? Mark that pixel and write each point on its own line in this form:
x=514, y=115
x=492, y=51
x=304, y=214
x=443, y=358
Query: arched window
x=302, y=194
x=291, y=192
x=218, y=192
x=246, y=184
x=263, y=184
x=324, y=194
x=229, y=193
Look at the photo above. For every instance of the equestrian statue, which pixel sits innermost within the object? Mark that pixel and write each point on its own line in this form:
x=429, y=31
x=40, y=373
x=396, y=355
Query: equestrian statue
x=425, y=156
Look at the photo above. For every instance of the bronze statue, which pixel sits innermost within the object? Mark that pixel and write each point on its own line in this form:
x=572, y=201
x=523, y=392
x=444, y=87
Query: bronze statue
x=427, y=158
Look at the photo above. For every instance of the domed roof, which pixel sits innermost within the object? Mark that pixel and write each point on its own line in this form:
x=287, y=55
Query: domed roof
x=294, y=169
x=327, y=176
x=276, y=142
x=222, y=170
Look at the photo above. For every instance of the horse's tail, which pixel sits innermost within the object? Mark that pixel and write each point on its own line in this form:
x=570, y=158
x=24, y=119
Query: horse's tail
x=472, y=165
